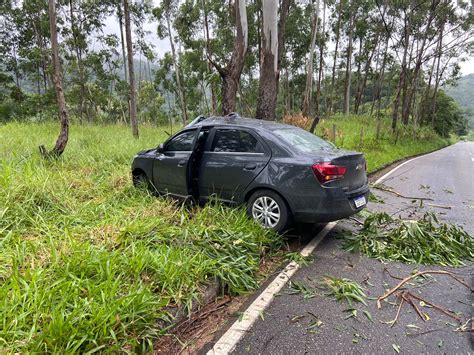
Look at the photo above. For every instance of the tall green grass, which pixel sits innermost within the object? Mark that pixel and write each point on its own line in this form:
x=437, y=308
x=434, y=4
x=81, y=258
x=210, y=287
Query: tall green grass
x=379, y=152
x=87, y=262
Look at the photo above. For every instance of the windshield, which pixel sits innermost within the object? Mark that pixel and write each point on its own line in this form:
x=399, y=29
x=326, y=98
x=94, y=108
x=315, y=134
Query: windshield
x=303, y=140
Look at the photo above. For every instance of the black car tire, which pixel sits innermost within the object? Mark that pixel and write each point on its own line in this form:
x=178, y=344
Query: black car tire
x=140, y=180
x=258, y=198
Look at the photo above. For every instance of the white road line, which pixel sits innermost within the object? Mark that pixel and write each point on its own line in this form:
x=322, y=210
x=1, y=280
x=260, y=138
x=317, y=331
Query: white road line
x=236, y=332
x=472, y=159
x=383, y=177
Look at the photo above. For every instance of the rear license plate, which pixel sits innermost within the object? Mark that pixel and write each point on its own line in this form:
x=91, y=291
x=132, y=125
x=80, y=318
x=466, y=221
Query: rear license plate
x=360, y=201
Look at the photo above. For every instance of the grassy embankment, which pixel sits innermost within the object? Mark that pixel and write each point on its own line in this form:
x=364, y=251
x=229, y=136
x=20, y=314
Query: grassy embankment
x=88, y=262
x=384, y=150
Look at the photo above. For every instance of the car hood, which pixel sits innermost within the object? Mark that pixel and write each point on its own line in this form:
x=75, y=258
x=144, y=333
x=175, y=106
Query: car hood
x=146, y=152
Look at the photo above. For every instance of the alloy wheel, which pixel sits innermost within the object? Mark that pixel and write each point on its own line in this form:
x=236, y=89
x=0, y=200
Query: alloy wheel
x=266, y=211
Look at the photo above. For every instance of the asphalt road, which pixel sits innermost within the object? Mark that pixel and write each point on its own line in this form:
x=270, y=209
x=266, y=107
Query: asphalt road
x=285, y=327
x=446, y=176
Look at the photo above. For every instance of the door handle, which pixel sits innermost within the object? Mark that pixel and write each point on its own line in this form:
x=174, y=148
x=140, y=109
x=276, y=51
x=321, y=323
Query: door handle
x=181, y=163
x=250, y=166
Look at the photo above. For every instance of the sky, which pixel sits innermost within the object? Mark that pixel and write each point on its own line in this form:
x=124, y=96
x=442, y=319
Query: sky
x=468, y=67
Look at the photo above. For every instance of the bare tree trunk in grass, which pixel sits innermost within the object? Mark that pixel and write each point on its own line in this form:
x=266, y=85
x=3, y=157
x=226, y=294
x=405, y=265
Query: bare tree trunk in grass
x=131, y=74
x=61, y=142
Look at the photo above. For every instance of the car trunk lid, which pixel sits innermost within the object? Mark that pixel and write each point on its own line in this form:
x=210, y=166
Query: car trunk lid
x=355, y=173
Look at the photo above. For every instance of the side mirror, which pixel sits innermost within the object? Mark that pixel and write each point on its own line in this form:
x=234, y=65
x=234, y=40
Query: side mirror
x=160, y=149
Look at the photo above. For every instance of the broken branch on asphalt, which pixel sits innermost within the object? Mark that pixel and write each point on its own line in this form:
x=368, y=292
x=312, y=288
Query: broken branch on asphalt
x=396, y=193
x=406, y=296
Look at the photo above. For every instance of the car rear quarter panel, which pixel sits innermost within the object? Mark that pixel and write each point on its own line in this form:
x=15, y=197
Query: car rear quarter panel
x=290, y=177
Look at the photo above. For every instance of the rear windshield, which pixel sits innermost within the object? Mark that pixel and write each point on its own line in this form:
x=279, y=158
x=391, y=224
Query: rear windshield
x=303, y=140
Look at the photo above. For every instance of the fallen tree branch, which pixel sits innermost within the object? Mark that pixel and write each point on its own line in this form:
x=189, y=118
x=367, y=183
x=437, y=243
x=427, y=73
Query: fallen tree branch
x=379, y=187
x=356, y=220
x=413, y=304
x=439, y=206
x=405, y=280
x=391, y=275
x=398, y=311
x=439, y=308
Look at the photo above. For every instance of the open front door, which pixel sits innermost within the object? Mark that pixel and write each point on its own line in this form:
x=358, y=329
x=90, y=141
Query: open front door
x=171, y=168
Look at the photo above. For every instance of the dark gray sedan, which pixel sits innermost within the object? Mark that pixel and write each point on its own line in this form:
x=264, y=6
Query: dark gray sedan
x=282, y=173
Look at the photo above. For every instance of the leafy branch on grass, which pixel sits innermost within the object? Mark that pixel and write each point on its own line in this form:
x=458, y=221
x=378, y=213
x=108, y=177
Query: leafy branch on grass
x=426, y=241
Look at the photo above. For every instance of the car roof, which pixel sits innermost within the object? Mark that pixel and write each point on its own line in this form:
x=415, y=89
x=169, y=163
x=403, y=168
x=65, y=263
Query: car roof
x=237, y=121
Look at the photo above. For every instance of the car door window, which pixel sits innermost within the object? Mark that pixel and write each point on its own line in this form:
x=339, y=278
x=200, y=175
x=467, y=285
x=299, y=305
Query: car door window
x=183, y=142
x=235, y=141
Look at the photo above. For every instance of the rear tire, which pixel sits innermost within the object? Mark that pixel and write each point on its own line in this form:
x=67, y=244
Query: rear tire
x=269, y=209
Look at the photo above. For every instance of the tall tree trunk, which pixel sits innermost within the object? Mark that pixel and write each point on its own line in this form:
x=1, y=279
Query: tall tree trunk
x=401, y=79
x=284, y=9
x=131, y=74
x=122, y=41
x=432, y=110
x=268, y=88
x=363, y=83
x=15, y=68
x=347, y=80
x=80, y=66
x=333, y=75
x=177, y=70
x=209, y=55
x=380, y=81
x=230, y=75
x=61, y=142
x=419, y=62
x=317, y=115
x=308, y=92
x=320, y=69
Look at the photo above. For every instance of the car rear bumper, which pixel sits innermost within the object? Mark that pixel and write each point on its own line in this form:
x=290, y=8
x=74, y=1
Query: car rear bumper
x=336, y=204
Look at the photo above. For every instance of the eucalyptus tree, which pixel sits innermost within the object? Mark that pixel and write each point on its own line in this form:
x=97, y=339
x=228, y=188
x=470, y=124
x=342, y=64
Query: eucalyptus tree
x=164, y=15
x=131, y=72
x=231, y=72
x=308, y=92
x=268, y=88
x=63, y=137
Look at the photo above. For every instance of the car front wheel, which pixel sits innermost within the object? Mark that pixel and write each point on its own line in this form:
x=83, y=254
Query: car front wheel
x=269, y=209
x=140, y=180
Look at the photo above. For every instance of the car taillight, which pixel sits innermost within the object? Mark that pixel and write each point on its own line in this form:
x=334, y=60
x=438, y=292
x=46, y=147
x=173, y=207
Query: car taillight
x=327, y=172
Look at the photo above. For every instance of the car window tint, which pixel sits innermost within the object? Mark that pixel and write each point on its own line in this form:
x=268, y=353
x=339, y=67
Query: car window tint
x=183, y=142
x=303, y=140
x=234, y=140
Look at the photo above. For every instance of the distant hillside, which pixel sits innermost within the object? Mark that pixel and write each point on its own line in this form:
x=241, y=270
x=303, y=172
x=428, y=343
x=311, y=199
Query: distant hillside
x=463, y=93
x=141, y=68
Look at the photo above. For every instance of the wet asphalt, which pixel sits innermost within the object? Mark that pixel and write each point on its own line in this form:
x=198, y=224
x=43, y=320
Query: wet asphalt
x=288, y=324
